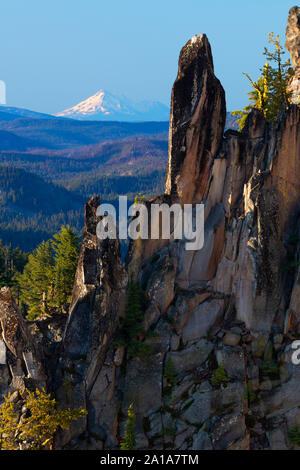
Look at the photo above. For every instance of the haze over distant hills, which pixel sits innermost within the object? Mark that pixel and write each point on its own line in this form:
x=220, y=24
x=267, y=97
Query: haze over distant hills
x=72, y=159
x=50, y=166
x=9, y=113
x=104, y=105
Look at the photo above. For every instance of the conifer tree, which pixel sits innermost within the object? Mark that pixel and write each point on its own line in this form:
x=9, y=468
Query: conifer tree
x=129, y=440
x=48, y=277
x=66, y=250
x=37, y=429
x=132, y=325
x=36, y=279
x=12, y=262
x=269, y=93
x=279, y=77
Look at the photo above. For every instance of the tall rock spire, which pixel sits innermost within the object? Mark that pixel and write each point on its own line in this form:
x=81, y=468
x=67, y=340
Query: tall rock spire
x=198, y=114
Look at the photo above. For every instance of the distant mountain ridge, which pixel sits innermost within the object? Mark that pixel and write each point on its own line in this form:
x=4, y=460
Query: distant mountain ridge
x=49, y=166
x=68, y=133
x=9, y=113
x=104, y=105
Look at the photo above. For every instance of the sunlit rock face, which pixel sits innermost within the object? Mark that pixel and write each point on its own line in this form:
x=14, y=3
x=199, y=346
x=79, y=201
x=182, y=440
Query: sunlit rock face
x=293, y=46
x=21, y=360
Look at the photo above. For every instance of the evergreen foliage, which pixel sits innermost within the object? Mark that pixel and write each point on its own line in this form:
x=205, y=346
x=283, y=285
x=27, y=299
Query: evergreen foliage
x=36, y=281
x=129, y=440
x=66, y=246
x=250, y=395
x=269, y=93
x=51, y=192
x=132, y=331
x=12, y=262
x=48, y=277
x=37, y=429
x=220, y=376
x=170, y=372
x=294, y=435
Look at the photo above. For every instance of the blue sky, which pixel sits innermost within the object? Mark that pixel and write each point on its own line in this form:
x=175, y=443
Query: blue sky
x=55, y=53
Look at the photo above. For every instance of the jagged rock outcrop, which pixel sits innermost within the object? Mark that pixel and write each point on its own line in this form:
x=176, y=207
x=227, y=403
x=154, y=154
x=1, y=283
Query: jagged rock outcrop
x=21, y=361
x=293, y=45
x=98, y=302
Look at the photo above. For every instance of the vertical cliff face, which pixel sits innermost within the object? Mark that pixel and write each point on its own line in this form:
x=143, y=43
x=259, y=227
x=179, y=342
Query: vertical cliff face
x=293, y=45
x=97, y=304
x=219, y=322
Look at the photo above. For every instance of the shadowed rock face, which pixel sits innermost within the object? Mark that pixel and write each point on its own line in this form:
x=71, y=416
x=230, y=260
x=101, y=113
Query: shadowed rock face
x=98, y=302
x=293, y=46
x=219, y=321
x=98, y=296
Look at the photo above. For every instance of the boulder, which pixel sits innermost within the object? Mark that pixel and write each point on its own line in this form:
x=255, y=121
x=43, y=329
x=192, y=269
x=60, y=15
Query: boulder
x=231, y=339
x=201, y=320
x=191, y=357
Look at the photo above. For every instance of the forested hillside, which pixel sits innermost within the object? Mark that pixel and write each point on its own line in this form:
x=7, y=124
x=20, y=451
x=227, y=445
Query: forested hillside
x=49, y=167
x=32, y=209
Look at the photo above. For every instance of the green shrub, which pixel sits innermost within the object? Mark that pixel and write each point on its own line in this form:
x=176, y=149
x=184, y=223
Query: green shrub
x=250, y=395
x=129, y=439
x=294, y=435
x=269, y=94
x=132, y=329
x=169, y=372
x=220, y=376
x=168, y=431
x=37, y=429
x=271, y=369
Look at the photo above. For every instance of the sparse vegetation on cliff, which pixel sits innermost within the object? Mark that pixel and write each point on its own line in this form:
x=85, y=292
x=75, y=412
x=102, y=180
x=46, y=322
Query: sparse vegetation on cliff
x=220, y=377
x=129, y=440
x=48, y=277
x=131, y=332
x=269, y=93
x=294, y=435
x=37, y=427
x=12, y=262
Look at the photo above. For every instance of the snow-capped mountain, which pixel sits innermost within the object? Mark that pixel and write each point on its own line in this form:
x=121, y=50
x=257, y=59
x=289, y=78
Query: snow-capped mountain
x=106, y=106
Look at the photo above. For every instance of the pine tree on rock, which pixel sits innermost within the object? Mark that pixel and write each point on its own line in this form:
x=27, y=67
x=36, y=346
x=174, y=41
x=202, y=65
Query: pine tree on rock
x=129, y=440
x=37, y=429
x=48, y=277
x=269, y=93
x=132, y=331
x=35, y=282
x=66, y=246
